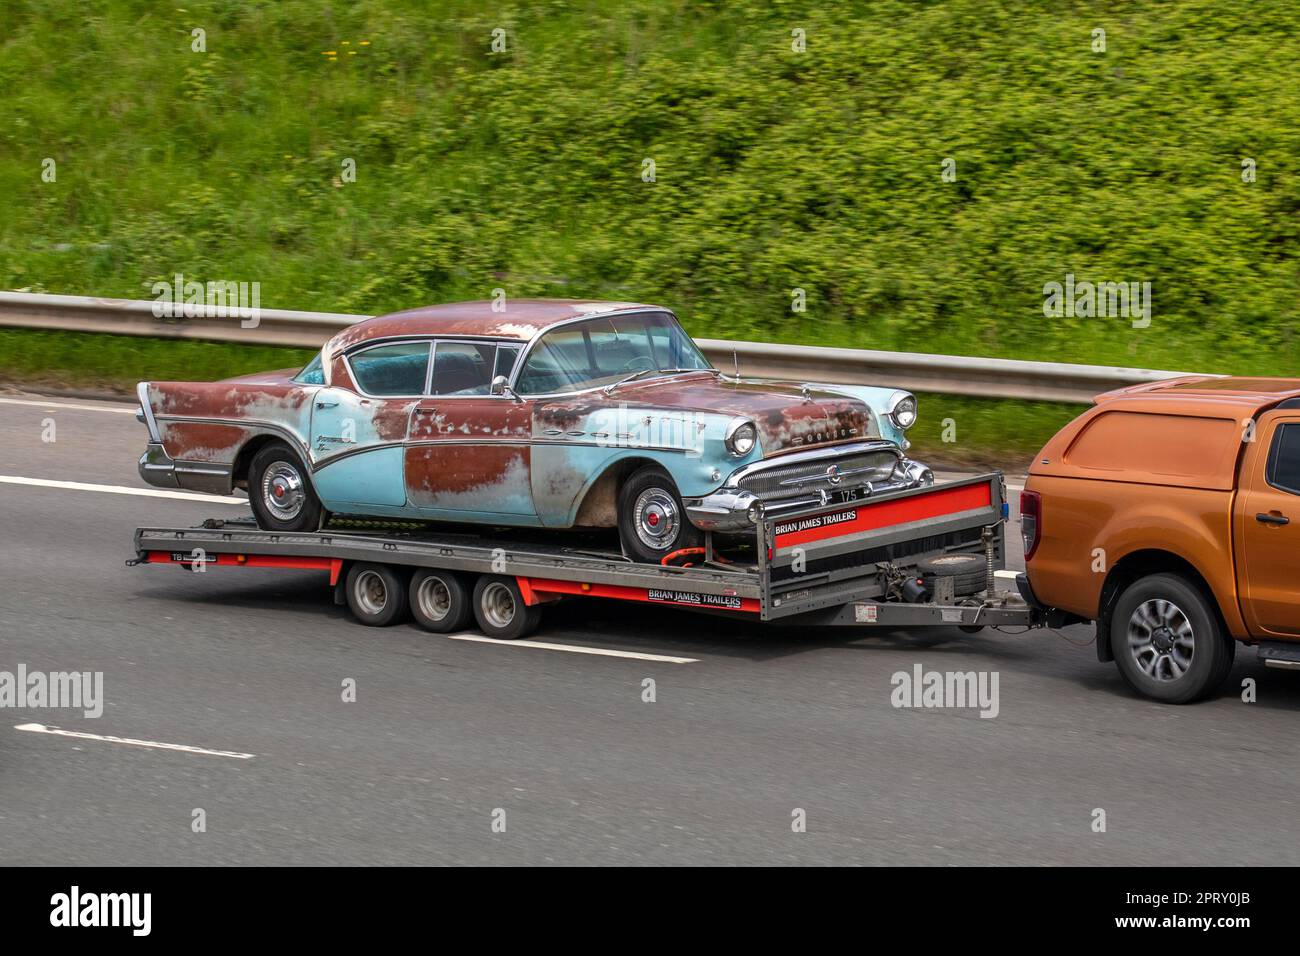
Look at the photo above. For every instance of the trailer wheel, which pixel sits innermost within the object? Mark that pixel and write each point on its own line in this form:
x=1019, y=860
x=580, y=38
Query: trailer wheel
x=500, y=610
x=376, y=594
x=439, y=601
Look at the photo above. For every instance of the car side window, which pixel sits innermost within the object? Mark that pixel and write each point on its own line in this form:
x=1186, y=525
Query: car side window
x=506, y=356
x=392, y=370
x=462, y=368
x=1284, y=459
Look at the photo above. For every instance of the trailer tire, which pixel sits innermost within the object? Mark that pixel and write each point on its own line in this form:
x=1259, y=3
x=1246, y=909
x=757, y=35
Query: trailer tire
x=440, y=602
x=500, y=610
x=376, y=594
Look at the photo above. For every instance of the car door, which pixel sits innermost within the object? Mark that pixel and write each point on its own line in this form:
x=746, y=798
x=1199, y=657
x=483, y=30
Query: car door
x=468, y=455
x=1268, y=522
x=358, y=437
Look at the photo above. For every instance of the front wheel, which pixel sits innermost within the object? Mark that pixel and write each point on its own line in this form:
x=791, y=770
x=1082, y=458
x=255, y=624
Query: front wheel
x=652, y=523
x=1167, y=640
x=280, y=492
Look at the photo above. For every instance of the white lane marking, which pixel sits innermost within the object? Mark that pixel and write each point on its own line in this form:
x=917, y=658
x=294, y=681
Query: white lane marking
x=123, y=490
x=184, y=748
x=80, y=408
x=574, y=649
x=1006, y=574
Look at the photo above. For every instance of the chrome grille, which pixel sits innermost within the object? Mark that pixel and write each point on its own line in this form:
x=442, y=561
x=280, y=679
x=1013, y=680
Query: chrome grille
x=811, y=476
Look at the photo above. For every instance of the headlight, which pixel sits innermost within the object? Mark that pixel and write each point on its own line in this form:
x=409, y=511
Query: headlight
x=741, y=437
x=903, y=410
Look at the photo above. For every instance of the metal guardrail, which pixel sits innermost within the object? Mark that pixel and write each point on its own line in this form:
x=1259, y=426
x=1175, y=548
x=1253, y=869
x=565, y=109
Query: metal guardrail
x=945, y=374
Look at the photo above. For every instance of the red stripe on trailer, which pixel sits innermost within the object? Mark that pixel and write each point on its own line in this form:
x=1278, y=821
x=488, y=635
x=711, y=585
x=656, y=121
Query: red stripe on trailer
x=535, y=590
x=882, y=514
x=333, y=565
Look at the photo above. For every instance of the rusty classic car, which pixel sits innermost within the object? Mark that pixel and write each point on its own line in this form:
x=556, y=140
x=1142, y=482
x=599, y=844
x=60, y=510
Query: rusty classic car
x=547, y=413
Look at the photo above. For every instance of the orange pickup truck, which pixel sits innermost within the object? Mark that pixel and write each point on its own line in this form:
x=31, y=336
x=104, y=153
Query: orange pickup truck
x=1169, y=514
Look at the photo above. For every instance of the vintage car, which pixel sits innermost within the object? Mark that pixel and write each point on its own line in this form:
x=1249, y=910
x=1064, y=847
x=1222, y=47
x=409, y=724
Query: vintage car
x=544, y=413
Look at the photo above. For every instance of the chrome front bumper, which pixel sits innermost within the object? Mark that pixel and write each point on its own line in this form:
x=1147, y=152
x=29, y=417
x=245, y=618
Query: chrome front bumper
x=731, y=509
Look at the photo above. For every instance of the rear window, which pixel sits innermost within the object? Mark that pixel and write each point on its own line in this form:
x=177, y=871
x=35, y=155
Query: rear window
x=312, y=374
x=1174, y=449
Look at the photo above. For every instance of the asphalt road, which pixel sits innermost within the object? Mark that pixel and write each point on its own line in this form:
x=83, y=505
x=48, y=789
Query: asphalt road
x=443, y=733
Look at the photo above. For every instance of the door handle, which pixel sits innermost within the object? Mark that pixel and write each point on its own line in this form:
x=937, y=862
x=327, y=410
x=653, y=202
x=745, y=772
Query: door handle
x=1272, y=518
x=327, y=404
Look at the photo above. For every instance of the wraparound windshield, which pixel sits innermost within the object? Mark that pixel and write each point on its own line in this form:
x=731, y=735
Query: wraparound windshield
x=602, y=350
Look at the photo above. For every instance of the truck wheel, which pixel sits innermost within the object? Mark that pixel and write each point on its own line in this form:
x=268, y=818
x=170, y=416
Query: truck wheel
x=376, y=594
x=1167, y=640
x=500, y=610
x=439, y=601
x=280, y=491
x=651, y=520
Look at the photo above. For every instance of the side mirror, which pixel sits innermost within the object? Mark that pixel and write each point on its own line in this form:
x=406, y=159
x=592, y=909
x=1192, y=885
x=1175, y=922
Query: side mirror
x=501, y=386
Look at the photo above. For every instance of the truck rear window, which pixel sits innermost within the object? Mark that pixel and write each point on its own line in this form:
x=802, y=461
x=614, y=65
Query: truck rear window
x=1151, y=447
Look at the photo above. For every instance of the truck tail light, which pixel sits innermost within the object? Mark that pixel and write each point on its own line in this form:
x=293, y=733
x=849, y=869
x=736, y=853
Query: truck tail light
x=1031, y=521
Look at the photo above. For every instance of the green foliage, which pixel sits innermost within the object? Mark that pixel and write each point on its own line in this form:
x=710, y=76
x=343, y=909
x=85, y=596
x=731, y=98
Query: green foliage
x=116, y=362
x=774, y=169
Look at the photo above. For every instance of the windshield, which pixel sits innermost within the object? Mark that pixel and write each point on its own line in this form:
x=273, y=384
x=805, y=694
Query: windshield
x=603, y=350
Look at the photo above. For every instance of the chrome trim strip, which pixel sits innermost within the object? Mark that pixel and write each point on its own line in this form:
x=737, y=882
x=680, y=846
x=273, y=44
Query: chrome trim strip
x=142, y=393
x=812, y=454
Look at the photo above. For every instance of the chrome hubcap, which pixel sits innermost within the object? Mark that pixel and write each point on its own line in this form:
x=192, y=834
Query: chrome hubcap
x=657, y=519
x=498, y=605
x=1160, y=639
x=371, y=593
x=434, y=598
x=283, y=492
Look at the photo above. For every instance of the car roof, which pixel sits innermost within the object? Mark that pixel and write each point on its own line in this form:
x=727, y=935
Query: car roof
x=508, y=319
x=1208, y=394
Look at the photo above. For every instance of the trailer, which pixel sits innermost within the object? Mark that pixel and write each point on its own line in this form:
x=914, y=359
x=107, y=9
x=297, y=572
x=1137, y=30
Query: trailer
x=925, y=556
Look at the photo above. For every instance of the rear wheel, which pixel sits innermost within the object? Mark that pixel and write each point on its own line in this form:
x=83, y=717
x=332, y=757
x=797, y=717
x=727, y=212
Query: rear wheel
x=1167, y=640
x=376, y=594
x=440, y=601
x=500, y=610
x=280, y=492
x=651, y=520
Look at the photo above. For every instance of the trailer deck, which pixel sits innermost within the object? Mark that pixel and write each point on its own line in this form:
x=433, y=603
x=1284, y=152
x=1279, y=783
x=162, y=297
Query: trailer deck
x=858, y=563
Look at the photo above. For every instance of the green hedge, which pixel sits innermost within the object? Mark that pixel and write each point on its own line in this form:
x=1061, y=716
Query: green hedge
x=775, y=170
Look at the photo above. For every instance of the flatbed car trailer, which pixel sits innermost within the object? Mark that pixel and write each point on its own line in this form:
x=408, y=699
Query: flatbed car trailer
x=926, y=556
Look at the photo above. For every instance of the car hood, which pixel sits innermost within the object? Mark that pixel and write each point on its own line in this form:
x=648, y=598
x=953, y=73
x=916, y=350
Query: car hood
x=789, y=416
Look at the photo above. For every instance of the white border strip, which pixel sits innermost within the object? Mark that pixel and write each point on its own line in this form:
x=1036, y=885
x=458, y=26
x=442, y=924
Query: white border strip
x=127, y=410
x=574, y=649
x=123, y=490
x=184, y=748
